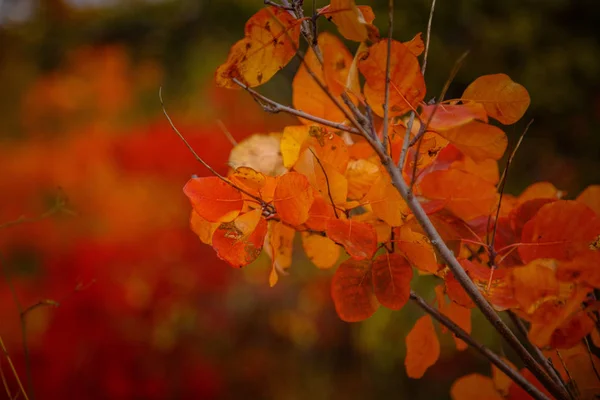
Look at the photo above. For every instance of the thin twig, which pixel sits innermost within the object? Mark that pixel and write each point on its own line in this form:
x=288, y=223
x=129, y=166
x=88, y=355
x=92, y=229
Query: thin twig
x=404, y=151
x=427, y=39
x=226, y=132
x=5, y=382
x=388, y=64
x=13, y=369
x=326, y=182
x=589, y=351
x=483, y=350
x=206, y=165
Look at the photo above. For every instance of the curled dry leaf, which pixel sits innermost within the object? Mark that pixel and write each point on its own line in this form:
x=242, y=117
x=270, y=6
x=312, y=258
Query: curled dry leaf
x=352, y=291
x=422, y=348
x=213, y=199
x=407, y=85
x=270, y=42
x=391, y=280
x=503, y=99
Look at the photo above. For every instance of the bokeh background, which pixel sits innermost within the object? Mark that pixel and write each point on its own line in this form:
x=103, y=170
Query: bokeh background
x=133, y=306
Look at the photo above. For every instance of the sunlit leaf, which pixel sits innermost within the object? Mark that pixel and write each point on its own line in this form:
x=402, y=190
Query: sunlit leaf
x=386, y=201
x=407, y=85
x=450, y=116
x=503, y=99
x=279, y=244
x=322, y=251
x=391, y=280
x=259, y=152
x=485, y=169
x=478, y=140
x=591, y=198
x=352, y=291
x=323, y=176
x=293, y=198
x=416, y=45
x=270, y=42
x=349, y=19
x=417, y=249
x=361, y=175
x=540, y=190
x=358, y=238
x=456, y=292
x=203, y=228
x=292, y=139
x=422, y=348
x=213, y=199
x=320, y=212
x=534, y=282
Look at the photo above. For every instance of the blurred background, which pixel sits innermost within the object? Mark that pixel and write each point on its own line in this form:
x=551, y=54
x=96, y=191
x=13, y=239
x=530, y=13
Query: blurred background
x=121, y=300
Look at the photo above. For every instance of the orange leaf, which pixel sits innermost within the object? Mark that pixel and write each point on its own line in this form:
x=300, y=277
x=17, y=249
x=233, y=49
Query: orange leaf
x=358, y=238
x=292, y=140
x=503, y=99
x=521, y=214
x=561, y=230
x=349, y=19
x=583, y=268
x=478, y=140
x=540, y=190
x=572, y=331
x=591, y=198
x=450, y=116
x=352, y=291
x=501, y=381
x=391, y=280
x=516, y=392
x=323, y=176
x=203, y=228
x=293, y=198
x=407, y=88
x=386, y=201
x=319, y=214
x=474, y=386
x=417, y=249
x=307, y=95
x=270, y=42
x=422, y=348
x=456, y=292
x=467, y=195
x=213, y=199
x=361, y=175
x=485, y=169
x=416, y=45
x=322, y=251
x=534, y=282
x=279, y=244
x=240, y=242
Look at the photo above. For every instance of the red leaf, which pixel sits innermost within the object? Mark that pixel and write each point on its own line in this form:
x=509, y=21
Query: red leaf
x=293, y=198
x=240, y=242
x=352, y=291
x=391, y=280
x=358, y=238
x=213, y=199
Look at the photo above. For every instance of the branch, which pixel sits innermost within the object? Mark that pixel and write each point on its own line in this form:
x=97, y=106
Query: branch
x=388, y=62
x=274, y=107
x=487, y=353
x=429, y=23
x=13, y=369
x=466, y=282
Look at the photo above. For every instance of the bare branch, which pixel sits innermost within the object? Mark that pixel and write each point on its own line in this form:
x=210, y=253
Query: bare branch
x=427, y=39
x=226, y=132
x=13, y=369
x=486, y=352
x=388, y=62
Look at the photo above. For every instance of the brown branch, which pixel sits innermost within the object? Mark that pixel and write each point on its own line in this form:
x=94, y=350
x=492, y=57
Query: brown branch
x=12, y=368
x=388, y=63
x=429, y=23
x=480, y=348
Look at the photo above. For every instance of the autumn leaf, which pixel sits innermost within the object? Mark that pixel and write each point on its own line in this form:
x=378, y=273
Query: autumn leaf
x=361, y=175
x=407, y=85
x=540, y=190
x=293, y=198
x=322, y=251
x=501, y=381
x=292, y=140
x=279, y=245
x=485, y=169
x=352, y=291
x=572, y=331
x=443, y=117
x=213, y=199
x=358, y=238
x=260, y=152
x=416, y=45
x=240, y=242
x=270, y=42
x=477, y=140
x=323, y=176
x=560, y=230
x=307, y=95
x=320, y=212
x=591, y=198
x=203, y=228
x=467, y=195
x=386, y=202
x=503, y=99
x=474, y=386
x=534, y=282
x=391, y=280
x=349, y=19
x=456, y=292
x=422, y=348
x=417, y=249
